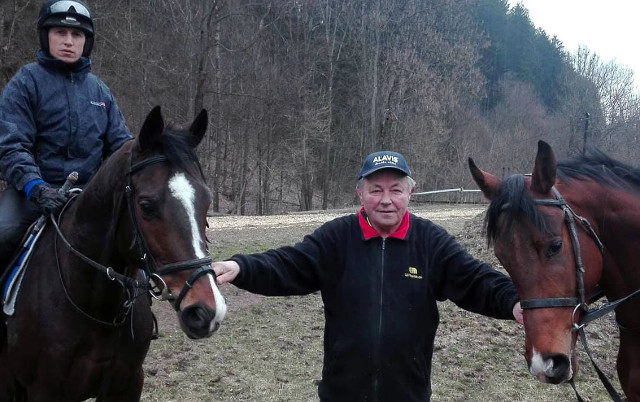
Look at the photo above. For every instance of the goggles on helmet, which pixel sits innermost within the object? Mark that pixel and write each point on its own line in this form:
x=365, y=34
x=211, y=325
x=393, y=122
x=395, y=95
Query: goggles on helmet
x=63, y=6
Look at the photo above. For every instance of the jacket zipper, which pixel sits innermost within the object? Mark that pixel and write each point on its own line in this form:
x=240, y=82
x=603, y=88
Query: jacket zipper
x=73, y=115
x=379, y=340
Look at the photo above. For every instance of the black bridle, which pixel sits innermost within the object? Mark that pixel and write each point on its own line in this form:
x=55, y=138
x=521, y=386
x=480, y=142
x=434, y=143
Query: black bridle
x=570, y=218
x=578, y=303
x=151, y=268
x=153, y=272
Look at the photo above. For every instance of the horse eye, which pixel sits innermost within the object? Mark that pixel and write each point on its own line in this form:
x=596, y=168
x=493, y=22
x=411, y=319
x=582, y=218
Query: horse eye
x=148, y=208
x=554, y=248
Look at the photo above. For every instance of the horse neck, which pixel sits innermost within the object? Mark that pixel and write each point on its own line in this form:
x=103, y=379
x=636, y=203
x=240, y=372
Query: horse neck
x=93, y=220
x=96, y=226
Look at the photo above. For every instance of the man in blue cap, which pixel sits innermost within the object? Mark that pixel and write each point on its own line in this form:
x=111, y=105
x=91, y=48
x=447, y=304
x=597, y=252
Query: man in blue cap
x=384, y=188
x=380, y=272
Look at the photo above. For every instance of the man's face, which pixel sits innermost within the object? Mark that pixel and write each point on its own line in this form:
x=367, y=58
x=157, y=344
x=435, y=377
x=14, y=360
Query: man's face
x=385, y=197
x=66, y=44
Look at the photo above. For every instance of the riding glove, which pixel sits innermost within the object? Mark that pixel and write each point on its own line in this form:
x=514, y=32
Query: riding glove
x=48, y=199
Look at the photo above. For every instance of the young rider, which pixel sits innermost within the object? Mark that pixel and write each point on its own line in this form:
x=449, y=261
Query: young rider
x=56, y=117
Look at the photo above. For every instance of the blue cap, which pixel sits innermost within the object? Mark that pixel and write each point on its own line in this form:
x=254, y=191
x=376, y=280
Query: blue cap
x=384, y=160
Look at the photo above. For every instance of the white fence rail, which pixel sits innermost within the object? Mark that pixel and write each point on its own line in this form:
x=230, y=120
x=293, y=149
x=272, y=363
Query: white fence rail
x=450, y=195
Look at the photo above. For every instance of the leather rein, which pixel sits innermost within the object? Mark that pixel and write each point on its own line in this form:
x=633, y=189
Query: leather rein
x=152, y=272
x=578, y=303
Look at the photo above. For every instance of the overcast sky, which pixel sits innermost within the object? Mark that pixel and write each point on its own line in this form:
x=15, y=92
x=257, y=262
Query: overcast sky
x=609, y=28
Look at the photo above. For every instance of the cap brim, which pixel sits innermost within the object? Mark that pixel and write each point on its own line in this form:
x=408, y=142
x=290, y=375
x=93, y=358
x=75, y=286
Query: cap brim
x=376, y=169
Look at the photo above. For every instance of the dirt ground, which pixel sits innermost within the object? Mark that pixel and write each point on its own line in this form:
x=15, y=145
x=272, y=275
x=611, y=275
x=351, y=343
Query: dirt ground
x=270, y=348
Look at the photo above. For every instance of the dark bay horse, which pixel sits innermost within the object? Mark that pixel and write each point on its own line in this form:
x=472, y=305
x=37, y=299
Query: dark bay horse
x=82, y=323
x=568, y=227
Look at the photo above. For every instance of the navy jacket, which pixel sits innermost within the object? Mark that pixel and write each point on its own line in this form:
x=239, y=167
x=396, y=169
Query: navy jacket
x=379, y=300
x=56, y=119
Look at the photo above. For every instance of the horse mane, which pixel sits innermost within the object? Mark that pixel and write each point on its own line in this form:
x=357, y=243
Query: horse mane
x=512, y=201
x=599, y=167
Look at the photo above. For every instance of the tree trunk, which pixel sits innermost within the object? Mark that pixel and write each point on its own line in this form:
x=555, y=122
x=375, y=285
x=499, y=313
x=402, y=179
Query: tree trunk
x=374, y=76
x=217, y=138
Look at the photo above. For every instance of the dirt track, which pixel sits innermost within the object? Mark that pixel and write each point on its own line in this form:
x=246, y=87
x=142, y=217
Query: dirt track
x=272, y=231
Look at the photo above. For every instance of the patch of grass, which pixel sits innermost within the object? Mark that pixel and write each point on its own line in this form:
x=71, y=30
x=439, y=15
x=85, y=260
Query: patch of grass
x=221, y=254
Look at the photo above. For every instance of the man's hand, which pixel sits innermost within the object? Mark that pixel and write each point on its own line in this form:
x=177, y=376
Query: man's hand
x=517, y=313
x=48, y=199
x=226, y=271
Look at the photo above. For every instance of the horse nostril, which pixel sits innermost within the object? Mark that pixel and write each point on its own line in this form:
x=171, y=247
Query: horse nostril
x=560, y=370
x=197, y=319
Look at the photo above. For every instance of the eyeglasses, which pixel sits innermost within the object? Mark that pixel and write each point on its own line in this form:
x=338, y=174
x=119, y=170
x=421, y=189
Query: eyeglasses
x=64, y=6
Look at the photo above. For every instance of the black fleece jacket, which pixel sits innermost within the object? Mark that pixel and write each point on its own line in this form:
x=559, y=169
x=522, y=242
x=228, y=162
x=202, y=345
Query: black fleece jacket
x=379, y=300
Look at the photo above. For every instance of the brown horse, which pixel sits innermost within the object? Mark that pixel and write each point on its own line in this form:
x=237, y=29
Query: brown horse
x=82, y=323
x=568, y=227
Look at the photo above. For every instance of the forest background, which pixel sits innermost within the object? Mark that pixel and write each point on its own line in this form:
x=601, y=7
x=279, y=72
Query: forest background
x=299, y=91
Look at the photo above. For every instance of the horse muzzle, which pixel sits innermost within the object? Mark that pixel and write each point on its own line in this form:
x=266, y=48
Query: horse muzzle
x=551, y=368
x=198, y=321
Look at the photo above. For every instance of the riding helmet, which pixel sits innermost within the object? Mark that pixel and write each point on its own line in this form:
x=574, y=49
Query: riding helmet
x=69, y=14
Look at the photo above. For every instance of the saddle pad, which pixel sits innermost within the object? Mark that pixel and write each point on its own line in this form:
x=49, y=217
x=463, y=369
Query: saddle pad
x=12, y=285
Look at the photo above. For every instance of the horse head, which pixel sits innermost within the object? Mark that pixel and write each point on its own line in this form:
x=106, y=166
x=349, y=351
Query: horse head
x=528, y=224
x=168, y=200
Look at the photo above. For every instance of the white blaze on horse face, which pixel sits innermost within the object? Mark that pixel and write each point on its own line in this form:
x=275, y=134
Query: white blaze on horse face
x=184, y=192
x=221, y=306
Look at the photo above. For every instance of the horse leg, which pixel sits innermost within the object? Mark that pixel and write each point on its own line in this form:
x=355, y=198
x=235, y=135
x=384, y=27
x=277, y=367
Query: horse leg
x=128, y=373
x=19, y=393
x=13, y=393
x=628, y=364
x=7, y=388
x=10, y=390
x=129, y=392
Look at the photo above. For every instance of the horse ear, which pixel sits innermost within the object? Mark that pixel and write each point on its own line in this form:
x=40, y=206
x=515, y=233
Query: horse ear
x=198, y=128
x=487, y=182
x=544, y=171
x=151, y=129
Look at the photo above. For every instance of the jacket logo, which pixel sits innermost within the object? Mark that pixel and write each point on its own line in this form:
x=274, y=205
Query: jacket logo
x=412, y=273
x=101, y=104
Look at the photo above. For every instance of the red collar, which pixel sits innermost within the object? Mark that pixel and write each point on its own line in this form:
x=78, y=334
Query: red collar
x=369, y=232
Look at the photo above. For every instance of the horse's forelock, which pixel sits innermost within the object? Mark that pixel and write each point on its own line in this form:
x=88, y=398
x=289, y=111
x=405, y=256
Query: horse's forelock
x=510, y=203
x=174, y=143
